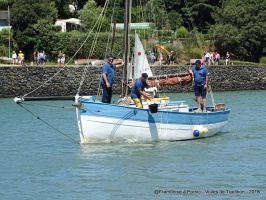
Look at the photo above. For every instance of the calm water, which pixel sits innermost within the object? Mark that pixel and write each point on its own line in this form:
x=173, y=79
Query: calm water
x=37, y=162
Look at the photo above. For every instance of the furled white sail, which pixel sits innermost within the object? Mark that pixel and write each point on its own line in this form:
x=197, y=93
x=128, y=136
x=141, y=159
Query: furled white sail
x=129, y=70
x=141, y=63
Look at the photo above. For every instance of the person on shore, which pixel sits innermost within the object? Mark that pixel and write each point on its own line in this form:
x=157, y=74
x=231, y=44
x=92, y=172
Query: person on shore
x=14, y=58
x=138, y=90
x=36, y=57
x=42, y=57
x=160, y=58
x=21, y=58
x=60, y=54
x=200, y=76
x=207, y=58
x=217, y=58
x=168, y=59
x=203, y=59
x=63, y=59
x=150, y=55
x=108, y=72
x=153, y=58
x=227, y=58
x=172, y=58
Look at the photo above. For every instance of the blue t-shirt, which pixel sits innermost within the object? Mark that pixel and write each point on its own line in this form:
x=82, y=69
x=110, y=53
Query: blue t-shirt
x=200, y=75
x=109, y=70
x=139, y=85
x=41, y=55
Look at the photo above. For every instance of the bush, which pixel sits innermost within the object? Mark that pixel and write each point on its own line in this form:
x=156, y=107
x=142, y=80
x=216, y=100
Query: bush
x=195, y=53
x=263, y=60
x=182, y=32
x=240, y=63
x=70, y=42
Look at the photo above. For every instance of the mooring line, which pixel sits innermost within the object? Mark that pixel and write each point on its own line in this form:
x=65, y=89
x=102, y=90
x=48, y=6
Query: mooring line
x=75, y=141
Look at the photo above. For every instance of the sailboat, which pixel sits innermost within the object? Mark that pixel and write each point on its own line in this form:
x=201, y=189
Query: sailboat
x=167, y=121
x=158, y=121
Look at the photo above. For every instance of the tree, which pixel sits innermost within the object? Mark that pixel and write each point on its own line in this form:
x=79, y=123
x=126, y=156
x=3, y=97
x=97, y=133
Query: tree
x=90, y=14
x=78, y=5
x=46, y=34
x=25, y=14
x=3, y=4
x=4, y=42
x=198, y=12
x=240, y=28
x=63, y=8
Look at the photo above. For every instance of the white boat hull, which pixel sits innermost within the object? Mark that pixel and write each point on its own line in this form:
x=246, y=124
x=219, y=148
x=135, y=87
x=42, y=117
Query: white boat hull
x=99, y=122
x=98, y=129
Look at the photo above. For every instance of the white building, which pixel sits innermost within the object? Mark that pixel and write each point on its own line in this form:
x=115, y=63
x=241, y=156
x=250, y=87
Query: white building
x=69, y=24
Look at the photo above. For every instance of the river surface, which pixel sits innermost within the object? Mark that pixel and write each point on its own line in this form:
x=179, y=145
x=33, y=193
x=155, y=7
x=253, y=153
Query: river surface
x=38, y=162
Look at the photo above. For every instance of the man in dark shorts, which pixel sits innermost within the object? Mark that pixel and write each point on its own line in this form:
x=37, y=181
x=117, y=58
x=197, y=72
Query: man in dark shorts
x=200, y=76
x=108, y=73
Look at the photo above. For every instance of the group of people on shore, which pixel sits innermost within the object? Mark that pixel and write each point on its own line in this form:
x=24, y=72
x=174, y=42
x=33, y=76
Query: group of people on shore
x=210, y=58
x=18, y=59
x=39, y=58
x=170, y=58
x=199, y=73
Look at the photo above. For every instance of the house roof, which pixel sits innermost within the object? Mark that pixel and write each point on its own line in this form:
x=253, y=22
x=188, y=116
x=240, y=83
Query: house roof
x=3, y=14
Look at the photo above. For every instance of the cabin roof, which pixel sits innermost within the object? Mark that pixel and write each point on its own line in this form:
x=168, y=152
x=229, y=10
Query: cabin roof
x=4, y=14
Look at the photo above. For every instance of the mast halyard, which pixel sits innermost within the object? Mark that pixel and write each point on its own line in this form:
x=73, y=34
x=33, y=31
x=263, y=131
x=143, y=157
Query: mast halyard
x=8, y=32
x=126, y=46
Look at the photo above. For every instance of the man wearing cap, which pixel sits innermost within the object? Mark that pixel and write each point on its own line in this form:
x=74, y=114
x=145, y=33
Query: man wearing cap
x=138, y=90
x=108, y=72
x=201, y=77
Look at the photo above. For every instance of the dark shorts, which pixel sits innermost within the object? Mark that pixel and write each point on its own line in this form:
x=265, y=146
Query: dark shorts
x=200, y=91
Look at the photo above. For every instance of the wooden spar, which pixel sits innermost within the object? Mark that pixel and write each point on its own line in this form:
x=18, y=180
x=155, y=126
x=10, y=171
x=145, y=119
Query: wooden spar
x=168, y=76
x=114, y=27
x=126, y=47
x=167, y=80
x=51, y=98
x=165, y=76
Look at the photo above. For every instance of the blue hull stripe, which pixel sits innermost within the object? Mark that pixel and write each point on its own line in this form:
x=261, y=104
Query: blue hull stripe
x=123, y=113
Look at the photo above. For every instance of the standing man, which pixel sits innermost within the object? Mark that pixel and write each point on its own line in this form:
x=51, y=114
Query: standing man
x=59, y=59
x=227, y=58
x=14, y=57
x=172, y=58
x=108, y=72
x=42, y=57
x=21, y=58
x=217, y=58
x=207, y=58
x=201, y=77
x=138, y=90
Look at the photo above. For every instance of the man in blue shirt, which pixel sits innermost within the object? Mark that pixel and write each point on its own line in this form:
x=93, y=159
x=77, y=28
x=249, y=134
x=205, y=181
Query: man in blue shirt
x=138, y=90
x=108, y=72
x=201, y=77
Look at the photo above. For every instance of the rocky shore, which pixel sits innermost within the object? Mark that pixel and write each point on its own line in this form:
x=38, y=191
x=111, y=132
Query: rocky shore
x=18, y=81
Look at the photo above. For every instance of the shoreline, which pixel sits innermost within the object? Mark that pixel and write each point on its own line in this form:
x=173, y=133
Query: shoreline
x=18, y=80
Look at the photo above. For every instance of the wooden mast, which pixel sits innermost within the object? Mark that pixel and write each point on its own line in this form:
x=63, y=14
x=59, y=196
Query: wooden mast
x=126, y=46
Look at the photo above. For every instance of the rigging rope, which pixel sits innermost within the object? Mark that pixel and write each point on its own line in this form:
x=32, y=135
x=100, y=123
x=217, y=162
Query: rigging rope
x=61, y=69
x=75, y=141
x=93, y=44
x=210, y=88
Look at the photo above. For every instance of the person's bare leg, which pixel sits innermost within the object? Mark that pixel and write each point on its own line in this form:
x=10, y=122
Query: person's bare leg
x=198, y=102
x=204, y=101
